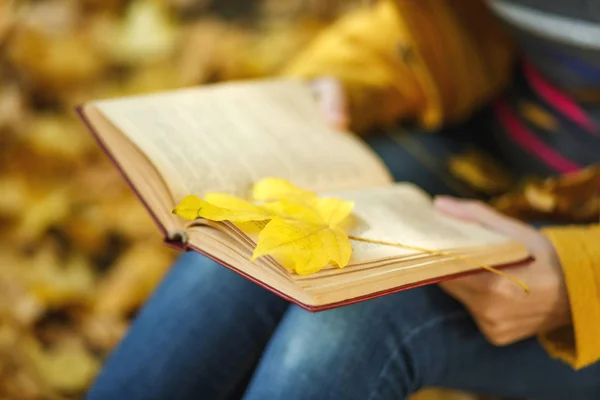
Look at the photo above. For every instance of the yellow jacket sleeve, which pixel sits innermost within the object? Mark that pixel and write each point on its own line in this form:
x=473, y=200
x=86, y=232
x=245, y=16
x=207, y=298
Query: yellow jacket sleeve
x=578, y=248
x=429, y=60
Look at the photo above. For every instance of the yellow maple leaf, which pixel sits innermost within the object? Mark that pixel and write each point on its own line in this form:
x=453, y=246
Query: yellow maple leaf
x=303, y=232
x=305, y=247
x=305, y=236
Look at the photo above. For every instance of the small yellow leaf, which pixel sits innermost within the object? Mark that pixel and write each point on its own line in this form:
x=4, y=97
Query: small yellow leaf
x=269, y=189
x=188, y=207
x=309, y=246
x=538, y=116
x=221, y=207
x=67, y=365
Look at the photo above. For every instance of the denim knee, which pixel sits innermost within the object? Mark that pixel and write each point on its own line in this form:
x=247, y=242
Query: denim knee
x=380, y=349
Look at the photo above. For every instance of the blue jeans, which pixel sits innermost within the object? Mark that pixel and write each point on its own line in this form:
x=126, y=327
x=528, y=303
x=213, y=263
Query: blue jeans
x=205, y=329
x=207, y=333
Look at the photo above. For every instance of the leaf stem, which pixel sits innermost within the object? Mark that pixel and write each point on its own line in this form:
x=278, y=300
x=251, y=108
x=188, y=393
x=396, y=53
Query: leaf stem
x=446, y=254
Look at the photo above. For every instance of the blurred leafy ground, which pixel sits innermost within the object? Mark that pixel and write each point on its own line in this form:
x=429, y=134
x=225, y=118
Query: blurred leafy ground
x=78, y=254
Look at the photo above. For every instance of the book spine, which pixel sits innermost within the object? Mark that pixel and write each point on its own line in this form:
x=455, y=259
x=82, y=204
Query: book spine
x=177, y=240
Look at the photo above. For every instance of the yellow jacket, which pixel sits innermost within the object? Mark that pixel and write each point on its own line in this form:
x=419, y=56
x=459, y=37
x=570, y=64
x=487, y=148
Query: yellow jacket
x=435, y=63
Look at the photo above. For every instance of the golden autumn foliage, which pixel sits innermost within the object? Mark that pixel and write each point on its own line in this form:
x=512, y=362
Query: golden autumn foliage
x=572, y=198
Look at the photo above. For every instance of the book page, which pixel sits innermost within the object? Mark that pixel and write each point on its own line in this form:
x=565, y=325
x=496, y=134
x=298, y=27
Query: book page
x=403, y=213
x=226, y=137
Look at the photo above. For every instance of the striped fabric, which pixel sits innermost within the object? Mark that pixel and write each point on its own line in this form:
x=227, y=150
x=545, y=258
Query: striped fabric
x=548, y=122
x=539, y=128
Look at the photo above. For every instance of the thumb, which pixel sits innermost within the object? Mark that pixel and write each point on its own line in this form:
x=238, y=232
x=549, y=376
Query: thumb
x=481, y=213
x=332, y=101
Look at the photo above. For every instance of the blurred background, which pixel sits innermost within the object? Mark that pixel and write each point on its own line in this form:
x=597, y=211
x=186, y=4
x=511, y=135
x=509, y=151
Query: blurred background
x=78, y=253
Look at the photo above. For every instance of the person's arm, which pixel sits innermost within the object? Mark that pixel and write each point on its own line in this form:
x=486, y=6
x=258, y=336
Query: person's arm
x=578, y=249
x=427, y=60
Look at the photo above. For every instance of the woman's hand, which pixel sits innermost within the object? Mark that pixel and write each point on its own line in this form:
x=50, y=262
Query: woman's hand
x=332, y=101
x=501, y=309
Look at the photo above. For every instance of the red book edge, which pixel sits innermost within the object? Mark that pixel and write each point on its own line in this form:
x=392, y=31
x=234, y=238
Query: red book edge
x=180, y=245
x=102, y=145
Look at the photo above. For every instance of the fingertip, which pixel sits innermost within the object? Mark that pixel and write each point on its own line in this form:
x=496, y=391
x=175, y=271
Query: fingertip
x=443, y=202
x=453, y=207
x=340, y=121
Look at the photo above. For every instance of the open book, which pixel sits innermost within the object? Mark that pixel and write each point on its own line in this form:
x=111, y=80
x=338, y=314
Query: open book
x=225, y=137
